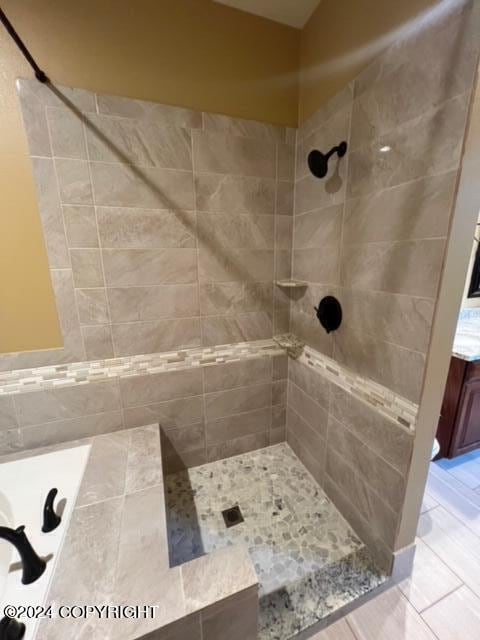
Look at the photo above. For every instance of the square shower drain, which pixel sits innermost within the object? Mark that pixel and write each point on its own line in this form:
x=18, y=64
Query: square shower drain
x=232, y=516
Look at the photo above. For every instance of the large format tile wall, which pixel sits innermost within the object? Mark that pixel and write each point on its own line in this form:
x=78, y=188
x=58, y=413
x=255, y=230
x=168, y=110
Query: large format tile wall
x=205, y=412
x=373, y=233
x=164, y=227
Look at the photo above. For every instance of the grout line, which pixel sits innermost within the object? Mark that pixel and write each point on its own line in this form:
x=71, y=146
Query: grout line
x=439, y=600
x=67, y=248
x=107, y=300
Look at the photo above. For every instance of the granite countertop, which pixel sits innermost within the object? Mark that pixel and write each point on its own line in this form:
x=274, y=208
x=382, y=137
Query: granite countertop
x=467, y=337
x=116, y=548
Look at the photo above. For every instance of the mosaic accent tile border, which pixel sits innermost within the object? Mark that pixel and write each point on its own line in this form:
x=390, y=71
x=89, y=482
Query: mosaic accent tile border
x=24, y=380
x=389, y=404
x=401, y=411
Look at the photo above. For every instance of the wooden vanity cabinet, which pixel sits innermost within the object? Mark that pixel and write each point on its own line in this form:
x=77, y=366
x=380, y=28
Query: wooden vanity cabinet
x=459, y=425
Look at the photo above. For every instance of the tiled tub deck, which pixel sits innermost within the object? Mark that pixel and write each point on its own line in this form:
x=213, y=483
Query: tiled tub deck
x=309, y=562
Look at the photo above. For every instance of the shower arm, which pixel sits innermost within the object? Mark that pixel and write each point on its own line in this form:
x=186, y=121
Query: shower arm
x=40, y=75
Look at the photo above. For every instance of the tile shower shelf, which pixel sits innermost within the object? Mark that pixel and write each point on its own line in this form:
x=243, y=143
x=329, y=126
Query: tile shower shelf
x=291, y=284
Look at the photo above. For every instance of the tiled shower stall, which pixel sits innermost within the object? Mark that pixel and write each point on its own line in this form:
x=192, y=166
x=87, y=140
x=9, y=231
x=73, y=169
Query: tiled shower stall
x=167, y=230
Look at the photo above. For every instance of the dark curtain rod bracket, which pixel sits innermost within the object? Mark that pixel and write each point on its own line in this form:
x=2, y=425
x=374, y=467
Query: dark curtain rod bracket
x=40, y=75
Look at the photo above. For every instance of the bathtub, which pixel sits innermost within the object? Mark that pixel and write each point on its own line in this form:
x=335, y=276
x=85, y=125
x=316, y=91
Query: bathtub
x=24, y=485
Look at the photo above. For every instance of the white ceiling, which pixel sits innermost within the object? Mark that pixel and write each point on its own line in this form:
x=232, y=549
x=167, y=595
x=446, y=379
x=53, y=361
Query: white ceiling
x=295, y=13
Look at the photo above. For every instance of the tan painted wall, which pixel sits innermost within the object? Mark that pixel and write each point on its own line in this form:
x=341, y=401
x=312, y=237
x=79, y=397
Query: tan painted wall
x=193, y=53
x=341, y=38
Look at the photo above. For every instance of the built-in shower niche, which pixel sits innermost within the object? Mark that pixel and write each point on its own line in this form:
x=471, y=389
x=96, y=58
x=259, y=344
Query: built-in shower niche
x=309, y=562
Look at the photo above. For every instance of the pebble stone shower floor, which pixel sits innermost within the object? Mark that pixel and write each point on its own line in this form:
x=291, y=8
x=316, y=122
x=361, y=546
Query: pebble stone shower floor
x=308, y=560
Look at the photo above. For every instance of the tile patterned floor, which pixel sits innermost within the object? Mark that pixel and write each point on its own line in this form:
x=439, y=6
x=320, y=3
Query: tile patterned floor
x=308, y=560
x=441, y=600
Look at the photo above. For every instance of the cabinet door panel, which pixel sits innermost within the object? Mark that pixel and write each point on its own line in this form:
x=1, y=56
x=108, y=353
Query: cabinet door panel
x=467, y=436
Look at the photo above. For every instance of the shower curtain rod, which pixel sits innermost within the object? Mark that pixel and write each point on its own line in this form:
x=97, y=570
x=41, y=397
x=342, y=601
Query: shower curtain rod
x=40, y=75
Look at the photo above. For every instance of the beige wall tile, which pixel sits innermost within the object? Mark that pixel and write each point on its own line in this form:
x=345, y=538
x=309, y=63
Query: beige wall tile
x=237, y=374
x=280, y=367
x=155, y=337
x=80, y=226
x=314, y=265
x=315, y=466
x=92, y=306
x=42, y=435
x=309, y=438
x=74, y=181
x=285, y=198
x=169, y=415
x=181, y=460
x=50, y=212
x=277, y=435
x=383, y=478
x=402, y=320
x=221, y=232
x=238, y=426
x=283, y=265
x=140, y=142
x=183, y=439
x=34, y=120
x=285, y=161
x=133, y=267
x=243, y=127
x=363, y=528
x=8, y=419
x=412, y=211
x=218, y=193
x=142, y=109
x=87, y=268
x=424, y=146
x=309, y=410
x=130, y=304
x=98, y=342
x=239, y=400
x=311, y=194
x=279, y=392
x=319, y=228
x=235, y=264
x=242, y=327
x=398, y=369
x=392, y=443
x=67, y=402
x=283, y=232
x=410, y=267
x=118, y=185
x=11, y=441
x=237, y=446
x=222, y=153
x=66, y=133
x=158, y=387
x=429, y=81
x=382, y=519
x=145, y=228
x=279, y=417
x=312, y=383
